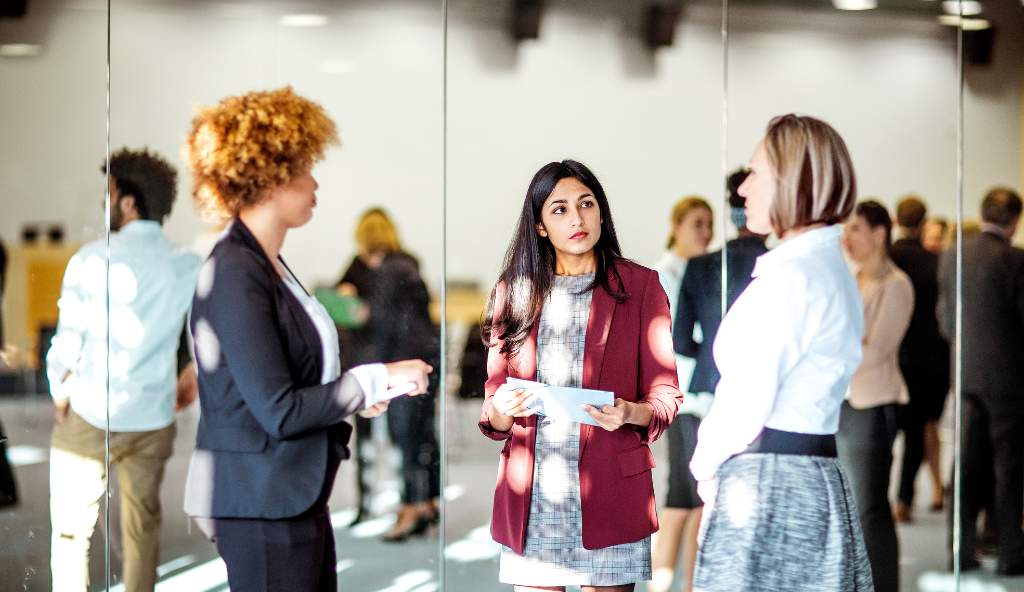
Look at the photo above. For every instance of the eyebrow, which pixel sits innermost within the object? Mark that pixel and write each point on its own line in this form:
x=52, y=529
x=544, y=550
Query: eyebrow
x=565, y=201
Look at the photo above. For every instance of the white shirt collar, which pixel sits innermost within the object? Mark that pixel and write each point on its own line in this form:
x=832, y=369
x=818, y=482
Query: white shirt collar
x=797, y=247
x=140, y=227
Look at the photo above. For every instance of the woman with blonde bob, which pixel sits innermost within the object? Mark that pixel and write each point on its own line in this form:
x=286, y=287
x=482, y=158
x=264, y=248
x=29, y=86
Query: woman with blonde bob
x=779, y=513
x=272, y=430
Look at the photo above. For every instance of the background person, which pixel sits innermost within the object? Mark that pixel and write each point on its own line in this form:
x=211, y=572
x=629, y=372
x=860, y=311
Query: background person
x=868, y=420
x=692, y=227
x=150, y=287
x=924, y=360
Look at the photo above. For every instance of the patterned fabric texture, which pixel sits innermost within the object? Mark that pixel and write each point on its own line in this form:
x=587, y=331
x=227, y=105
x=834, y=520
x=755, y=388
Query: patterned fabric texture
x=782, y=523
x=554, y=553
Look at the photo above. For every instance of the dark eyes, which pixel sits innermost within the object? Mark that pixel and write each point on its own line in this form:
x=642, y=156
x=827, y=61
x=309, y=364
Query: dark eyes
x=583, y=204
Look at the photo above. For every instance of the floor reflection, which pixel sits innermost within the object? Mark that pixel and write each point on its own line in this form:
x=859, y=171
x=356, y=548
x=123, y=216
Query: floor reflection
x=189, y=563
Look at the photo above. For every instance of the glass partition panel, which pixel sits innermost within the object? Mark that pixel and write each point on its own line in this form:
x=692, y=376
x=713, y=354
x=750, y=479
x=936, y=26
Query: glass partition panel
x=53, y=275
x=990, y=296
x=366, y=267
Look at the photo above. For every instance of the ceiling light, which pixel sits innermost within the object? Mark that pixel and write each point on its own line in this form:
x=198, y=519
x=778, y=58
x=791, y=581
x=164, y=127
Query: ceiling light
x=303, y=20
x=855, y=4
x=19, y=50
x=967, y=24
x=962, y=7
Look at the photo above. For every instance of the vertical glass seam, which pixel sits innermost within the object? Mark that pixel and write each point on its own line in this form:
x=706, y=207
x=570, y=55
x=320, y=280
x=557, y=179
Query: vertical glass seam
x=958, y=325
x=725, y=155
x=106, y=297
x=443, y=362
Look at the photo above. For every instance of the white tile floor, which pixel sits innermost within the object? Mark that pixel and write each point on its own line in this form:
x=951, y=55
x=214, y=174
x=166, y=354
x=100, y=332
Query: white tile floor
x=189, y=563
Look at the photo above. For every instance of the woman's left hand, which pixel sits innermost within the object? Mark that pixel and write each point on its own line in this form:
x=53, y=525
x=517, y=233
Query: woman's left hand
x=609, y=417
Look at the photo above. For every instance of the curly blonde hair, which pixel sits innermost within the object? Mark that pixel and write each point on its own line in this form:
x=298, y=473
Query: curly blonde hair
x=244, y=145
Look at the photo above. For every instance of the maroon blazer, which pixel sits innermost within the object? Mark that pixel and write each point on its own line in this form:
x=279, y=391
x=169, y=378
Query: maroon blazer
x=628, y=351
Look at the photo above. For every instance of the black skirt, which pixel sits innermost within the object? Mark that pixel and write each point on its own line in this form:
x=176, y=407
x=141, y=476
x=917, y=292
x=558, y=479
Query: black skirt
x=682, y=441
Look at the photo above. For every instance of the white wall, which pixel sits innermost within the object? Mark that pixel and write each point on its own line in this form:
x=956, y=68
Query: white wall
x=648, y=124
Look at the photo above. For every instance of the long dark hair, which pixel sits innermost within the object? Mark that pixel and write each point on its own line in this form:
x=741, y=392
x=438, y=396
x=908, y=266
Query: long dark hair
x=529, y=266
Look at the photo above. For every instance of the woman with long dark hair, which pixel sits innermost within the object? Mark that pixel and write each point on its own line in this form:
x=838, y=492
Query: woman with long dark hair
x=574, y=503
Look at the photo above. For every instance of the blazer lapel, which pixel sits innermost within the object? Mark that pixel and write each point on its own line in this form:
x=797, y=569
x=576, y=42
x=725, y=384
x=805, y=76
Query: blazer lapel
x=599, y=324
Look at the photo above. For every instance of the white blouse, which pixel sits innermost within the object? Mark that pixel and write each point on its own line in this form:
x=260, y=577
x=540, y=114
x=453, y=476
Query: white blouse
x=786, y=349
x=373, y=378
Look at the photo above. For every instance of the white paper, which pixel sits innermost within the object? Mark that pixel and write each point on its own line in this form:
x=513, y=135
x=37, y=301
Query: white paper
x=564, y=403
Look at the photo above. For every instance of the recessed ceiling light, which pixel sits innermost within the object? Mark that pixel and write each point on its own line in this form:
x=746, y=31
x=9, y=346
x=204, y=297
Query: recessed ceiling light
x=303, y=20
x=855, y=4
x=963, y=7
x=967, y=24
x=19, y=50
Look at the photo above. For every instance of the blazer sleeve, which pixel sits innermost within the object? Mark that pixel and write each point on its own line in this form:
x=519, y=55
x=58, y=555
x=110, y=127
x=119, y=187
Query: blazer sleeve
x=686, y=317
x=497, y=372
x=657, y=373
x=239, y=327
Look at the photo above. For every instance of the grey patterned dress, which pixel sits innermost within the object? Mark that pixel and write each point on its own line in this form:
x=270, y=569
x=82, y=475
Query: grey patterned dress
x=554, y=553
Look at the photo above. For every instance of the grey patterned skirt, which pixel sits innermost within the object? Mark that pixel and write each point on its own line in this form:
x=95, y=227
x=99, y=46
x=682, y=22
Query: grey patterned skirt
x=782, y=523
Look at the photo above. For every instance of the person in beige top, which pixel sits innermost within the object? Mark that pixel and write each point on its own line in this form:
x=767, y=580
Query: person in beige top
x=867, y=421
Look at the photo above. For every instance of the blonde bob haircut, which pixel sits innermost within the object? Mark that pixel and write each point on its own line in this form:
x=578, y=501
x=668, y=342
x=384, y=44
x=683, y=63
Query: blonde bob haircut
x=814, y=173
x=243, y=146
x=376, y=233
x=682, y=209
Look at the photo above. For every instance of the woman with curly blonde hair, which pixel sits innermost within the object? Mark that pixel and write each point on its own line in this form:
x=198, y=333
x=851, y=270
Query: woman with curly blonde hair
x=272, y=430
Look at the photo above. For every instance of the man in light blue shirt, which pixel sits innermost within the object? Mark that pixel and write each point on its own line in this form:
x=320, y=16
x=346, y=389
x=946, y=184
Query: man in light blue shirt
x=151, y=282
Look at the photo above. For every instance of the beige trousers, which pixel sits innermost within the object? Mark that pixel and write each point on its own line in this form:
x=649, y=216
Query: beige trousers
x=77, y=485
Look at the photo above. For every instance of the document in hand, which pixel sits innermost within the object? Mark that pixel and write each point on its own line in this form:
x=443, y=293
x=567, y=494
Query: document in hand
x=563, y=402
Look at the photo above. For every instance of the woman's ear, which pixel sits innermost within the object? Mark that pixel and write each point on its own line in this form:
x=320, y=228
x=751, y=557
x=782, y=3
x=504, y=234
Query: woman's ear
x=541, y=231
x=879, y=235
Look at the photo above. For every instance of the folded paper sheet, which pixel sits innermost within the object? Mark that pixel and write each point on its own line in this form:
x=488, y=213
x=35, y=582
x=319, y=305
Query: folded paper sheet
x=564, y=403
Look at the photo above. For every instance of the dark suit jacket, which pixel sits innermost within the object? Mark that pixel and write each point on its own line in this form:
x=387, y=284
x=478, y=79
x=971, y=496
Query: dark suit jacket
x=700, y=301
x=270, y=435
x=627, y=350
x=993, y=317
x=924, y=353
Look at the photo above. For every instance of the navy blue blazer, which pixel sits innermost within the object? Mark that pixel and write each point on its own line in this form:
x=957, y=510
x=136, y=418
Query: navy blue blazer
x=270, y=435
x=700, y=301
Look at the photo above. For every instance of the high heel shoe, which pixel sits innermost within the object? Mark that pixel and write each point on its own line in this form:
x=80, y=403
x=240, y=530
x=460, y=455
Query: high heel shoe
x=416, y=528
x=901, y=513
x=411, y=521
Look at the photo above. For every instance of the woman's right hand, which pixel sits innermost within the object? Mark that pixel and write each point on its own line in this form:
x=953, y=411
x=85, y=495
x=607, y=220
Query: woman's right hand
x=408, y=377
x=513, y=402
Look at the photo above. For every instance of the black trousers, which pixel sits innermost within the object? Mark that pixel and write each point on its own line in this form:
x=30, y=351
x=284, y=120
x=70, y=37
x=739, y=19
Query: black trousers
x=865, y=442
x=411, y=427
x=993, y=448
x=290, y=555
x=911, y=422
